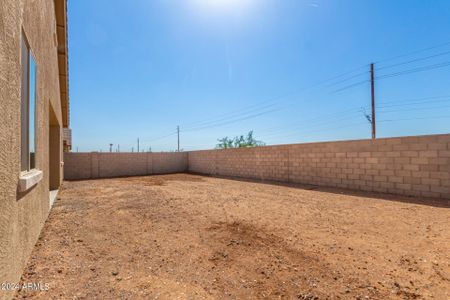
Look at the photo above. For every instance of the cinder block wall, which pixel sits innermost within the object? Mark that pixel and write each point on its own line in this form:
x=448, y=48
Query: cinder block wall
x=103, y=165
x=166, y=163
x=414, y=166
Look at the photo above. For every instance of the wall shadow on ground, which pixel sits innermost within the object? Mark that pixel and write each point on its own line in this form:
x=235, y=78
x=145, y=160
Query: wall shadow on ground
x=440, y=203
x=179, y=176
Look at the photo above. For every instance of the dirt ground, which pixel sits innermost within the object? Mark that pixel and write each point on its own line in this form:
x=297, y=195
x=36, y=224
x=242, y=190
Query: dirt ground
x=192, y=237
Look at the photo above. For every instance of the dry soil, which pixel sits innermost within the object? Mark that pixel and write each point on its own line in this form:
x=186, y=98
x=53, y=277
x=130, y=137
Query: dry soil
x=193, y=237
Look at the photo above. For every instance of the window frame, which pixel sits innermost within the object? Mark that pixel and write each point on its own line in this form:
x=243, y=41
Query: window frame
x=26, y=101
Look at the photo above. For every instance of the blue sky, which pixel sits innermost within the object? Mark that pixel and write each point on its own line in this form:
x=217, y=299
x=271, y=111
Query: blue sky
x=224, y=67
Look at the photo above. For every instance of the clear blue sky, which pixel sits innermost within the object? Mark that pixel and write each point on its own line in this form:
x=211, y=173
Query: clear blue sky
x=220, y=68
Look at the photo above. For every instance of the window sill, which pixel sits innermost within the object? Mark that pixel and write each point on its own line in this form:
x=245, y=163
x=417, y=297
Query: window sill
x=29, y=179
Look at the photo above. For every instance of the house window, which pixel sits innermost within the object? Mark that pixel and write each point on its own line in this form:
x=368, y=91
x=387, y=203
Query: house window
x=28, y=108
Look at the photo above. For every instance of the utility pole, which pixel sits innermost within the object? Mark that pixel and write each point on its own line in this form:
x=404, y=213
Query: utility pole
x=118, y=147
x=178, y=133
x=110, y=147
x=132, y=149
x=372, y=81
x=138, y=146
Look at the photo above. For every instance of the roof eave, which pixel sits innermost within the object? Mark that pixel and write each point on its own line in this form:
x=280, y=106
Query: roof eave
x=63, y=62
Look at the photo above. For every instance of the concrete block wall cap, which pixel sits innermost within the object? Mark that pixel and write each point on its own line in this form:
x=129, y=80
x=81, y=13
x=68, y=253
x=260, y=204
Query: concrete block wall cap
x=29, y=179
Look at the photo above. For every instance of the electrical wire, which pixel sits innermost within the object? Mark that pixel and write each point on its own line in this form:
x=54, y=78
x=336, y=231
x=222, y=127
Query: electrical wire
x=415, y=70
x=413, y=103
x=413, y=52
x=270, y=103
x=307, y=123
x=349, y=86
x=413, y=119
x=244, y=115
x=269, y=133
x=413, y=109
x=413, y=99
x=347, y=79
x=314, y=126
x=158, y=138
x=231, y=121
x=414, y=60
x=323, y=130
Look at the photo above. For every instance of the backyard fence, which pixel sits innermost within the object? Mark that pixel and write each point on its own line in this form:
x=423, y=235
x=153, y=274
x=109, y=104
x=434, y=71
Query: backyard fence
x=103, y=165
x=414, y=166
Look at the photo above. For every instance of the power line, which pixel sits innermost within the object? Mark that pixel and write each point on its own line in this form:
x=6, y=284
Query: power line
x=347, y=79
x=364, y=123
x=246, y=116
x=415, y=109
x=413, y=52
x=325, y=129
x=318, y=118
x=269, y=103
x=356, y=124
x=233, y=116
x=232, y=121
x=306, y=124
x=413, y=103
x=414, y=60
x=272, y=105
x=266, y=112
x=348, y=112
x=161, y=137
x=273, y=131
x=415, y=99
x=319, y=125
x=353, y=111
x=412, y=119
x=349, y=86
x=415, y=70
x=249, y=113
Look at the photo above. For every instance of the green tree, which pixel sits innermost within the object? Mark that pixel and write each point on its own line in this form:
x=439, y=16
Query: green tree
x=225, y=143
x=239, y=142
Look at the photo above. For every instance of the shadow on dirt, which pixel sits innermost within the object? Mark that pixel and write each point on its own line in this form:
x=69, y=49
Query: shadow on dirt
x=442, y=203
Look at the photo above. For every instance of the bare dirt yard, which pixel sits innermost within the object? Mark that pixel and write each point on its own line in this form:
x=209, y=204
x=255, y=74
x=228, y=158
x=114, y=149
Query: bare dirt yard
x=192, y=237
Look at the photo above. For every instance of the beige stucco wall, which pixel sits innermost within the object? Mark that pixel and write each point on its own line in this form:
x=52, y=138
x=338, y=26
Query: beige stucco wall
x=22, y=215
x=414, y=166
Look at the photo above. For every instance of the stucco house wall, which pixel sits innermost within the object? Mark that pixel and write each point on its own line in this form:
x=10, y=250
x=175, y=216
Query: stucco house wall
x=22, y=214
